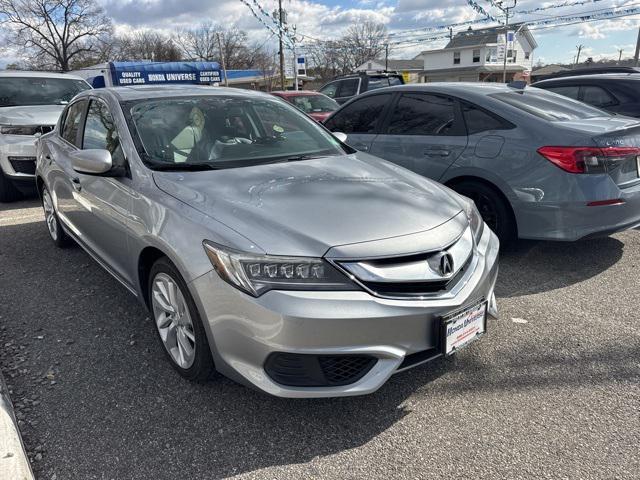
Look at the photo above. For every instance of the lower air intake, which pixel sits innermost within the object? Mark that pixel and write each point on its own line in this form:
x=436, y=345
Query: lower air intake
x=303, y=370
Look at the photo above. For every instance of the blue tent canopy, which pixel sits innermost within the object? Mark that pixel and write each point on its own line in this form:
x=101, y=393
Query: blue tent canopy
x=155, y=73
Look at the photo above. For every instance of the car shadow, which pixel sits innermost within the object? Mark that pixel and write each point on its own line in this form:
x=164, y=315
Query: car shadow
x=529, y=267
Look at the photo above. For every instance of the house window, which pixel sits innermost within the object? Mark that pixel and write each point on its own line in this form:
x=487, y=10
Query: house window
x=491, y=55
x=527, y=55
x=476, y=55
x=456, y=58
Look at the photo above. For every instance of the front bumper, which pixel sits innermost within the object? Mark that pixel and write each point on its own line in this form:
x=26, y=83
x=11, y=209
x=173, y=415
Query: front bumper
x=18, y=157
x=243, y=331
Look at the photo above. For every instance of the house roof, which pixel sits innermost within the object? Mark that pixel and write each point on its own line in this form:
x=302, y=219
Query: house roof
x=483, y=36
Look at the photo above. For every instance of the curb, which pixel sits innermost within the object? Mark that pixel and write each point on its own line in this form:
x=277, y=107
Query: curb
x=14, y=464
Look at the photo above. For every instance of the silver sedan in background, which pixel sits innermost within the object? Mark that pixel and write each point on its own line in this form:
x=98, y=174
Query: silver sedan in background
x=538, y=165
x=261, y=244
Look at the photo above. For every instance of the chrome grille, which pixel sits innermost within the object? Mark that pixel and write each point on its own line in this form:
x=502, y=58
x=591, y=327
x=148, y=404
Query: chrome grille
x=413, y=276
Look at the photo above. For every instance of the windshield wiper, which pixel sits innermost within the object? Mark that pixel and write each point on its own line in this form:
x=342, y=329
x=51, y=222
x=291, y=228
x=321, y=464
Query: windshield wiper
x=299, y=158
x=185, y=167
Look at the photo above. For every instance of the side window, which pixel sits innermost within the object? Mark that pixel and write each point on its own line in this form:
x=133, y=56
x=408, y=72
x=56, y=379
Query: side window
x=72, y=122
x=568, y=91
x=360, y=116
x=596, y=96
x=377, y=82
x=330, y=90
x=478, y=120
x=395, y=81
x=348, y=88
x=421, y=114
x=100, y=132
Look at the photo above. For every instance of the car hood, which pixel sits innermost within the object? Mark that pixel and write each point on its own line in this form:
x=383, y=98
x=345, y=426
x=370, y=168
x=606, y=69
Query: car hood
x=31, y=115
x=305, y=208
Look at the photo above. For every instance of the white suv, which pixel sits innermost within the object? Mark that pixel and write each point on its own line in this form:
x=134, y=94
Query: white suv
x=30, y=104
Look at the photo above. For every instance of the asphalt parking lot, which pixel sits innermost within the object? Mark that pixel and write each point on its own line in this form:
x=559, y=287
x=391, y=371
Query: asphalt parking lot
x=553, y=391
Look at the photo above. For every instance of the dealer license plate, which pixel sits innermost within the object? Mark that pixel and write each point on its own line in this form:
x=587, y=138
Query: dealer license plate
x=462, y=328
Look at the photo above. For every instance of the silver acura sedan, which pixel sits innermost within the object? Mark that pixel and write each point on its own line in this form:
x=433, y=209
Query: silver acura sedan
x=264, y=247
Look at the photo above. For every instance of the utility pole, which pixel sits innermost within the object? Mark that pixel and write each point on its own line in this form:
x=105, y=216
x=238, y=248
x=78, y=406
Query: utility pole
x=386, y=57
x=506, y=11
x=280, y=30
x=619, y=56
x=579, y=47
x=295, y=60
x=635, y=57
x=222, y=59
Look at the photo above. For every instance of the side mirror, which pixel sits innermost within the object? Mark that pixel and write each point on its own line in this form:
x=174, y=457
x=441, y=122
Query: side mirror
x=340, y=136
x=91, y=161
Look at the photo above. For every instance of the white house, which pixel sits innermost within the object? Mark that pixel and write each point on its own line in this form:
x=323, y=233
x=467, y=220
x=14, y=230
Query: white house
x=478, y=56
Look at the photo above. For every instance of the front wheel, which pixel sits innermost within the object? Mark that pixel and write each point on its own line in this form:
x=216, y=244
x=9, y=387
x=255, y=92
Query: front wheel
x=178, y=323
x=57, y=234
x=494, y=210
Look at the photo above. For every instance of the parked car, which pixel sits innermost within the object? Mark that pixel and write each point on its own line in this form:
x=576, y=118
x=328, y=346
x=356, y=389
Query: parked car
x=537, y=165
x=261, y=244
x=615, y=92
x=344, y=88
x=30, y=104
x=314, y=104
x=594, y=71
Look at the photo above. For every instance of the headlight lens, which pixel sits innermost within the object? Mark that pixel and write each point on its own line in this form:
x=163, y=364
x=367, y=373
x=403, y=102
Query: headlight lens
x=475, y=219
x=20, y=129
x=256, y=274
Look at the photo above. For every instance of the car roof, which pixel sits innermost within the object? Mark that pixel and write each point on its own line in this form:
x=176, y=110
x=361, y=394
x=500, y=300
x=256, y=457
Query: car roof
x=297, y=93
x=25, y=73
x=460, y=89
x=595, y=76
x=164, y=91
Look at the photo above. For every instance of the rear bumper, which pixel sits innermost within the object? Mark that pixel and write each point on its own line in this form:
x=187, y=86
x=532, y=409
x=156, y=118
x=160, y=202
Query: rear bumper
x=244, y=331
x=574, y=219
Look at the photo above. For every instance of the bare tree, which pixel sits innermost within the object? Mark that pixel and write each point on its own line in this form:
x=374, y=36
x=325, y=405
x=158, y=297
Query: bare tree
x=146, y=45
x=201, y=43
x=52, y=33
x=365, y=41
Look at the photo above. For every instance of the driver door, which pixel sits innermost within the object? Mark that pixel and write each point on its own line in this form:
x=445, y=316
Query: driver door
x=102, y=202
x=424, y=133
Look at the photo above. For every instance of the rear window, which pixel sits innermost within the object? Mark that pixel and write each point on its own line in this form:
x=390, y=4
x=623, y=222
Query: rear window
x=548, y=106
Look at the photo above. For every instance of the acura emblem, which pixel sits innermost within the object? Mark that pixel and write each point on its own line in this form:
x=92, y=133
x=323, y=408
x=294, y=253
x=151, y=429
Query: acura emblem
x=446, y=264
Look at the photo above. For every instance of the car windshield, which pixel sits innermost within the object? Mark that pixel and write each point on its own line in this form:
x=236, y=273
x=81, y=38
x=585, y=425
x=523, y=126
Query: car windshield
x=548, y=105
x=219, y=131
x=314, y=103
x=24, y=91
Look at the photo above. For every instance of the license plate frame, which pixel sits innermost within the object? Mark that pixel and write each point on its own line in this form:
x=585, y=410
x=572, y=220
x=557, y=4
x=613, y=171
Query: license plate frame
x=476, y=308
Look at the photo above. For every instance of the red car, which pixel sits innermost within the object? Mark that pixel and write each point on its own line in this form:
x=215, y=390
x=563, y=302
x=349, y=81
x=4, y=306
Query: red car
x=314, y=104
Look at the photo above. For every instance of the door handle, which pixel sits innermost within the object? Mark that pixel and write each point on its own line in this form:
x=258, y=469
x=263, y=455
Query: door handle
x=76, y=184
x=437, y=153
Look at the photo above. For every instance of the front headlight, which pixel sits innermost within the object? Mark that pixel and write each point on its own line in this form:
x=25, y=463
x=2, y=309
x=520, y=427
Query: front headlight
x=20, y=129
x=475, y=219
x=256, y=274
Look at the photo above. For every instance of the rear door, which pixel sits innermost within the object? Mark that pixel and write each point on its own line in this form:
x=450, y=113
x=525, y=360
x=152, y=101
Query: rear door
x=424, y=133
x=360, y=120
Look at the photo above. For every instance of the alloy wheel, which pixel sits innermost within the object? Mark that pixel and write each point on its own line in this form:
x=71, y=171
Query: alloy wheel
x=50, y=215
x=173, y=320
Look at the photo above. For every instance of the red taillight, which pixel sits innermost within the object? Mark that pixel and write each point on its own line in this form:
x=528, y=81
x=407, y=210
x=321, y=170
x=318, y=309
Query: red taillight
x=587, y=159
x=604, y=203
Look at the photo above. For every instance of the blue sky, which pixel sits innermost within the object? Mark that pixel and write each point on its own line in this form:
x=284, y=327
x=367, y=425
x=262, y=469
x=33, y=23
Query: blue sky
x=327, y=19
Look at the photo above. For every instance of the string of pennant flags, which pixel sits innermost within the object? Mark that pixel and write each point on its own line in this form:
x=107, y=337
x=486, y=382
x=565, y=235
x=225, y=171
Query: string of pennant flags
x=474, y=5
x=568, y=3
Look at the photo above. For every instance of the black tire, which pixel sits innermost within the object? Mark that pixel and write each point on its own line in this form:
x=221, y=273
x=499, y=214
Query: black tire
x=492, y=206
x=8, y=191
x=202, y=367
x=52, y=222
